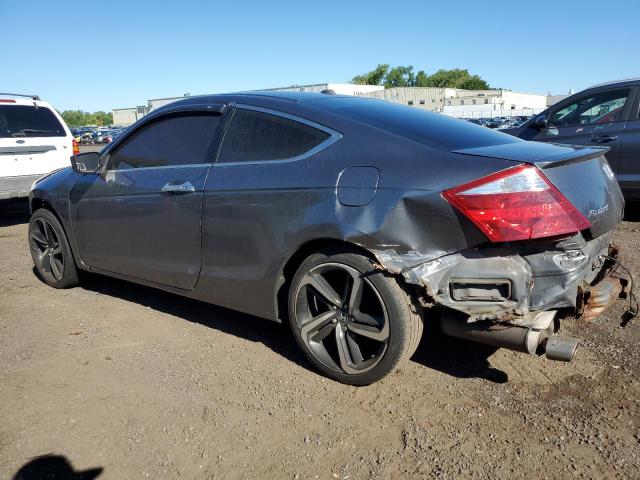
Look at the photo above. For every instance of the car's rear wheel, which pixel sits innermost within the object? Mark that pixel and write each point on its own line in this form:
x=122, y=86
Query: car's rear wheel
x=50, y=250
x=355, y=324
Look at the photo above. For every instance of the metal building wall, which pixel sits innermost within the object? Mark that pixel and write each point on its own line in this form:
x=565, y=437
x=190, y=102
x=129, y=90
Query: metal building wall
x=427, y=98
x=125, y=116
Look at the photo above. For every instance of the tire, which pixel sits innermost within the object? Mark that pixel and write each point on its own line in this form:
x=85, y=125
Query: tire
x=355, y=324
x=50, y=250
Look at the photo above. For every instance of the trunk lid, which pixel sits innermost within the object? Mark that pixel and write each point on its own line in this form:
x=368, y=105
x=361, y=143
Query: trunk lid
x=582, y=174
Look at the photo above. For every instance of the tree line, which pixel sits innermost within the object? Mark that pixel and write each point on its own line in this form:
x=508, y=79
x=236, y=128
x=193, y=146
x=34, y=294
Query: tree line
x=78, y=118
x=404, y=76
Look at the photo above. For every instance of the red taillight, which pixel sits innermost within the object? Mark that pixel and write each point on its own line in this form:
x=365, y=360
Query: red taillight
x=7, y=100
x=516, y=204
x=76, y=147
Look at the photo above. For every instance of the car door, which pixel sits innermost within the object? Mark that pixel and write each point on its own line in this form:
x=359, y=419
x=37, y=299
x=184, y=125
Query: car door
x=629, y=171
x=597, y=118
x=248, y=211
x=141, y=216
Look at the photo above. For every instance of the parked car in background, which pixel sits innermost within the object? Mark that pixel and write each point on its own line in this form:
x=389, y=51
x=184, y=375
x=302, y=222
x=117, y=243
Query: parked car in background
x=603, y=115
x=256, y=202
x=34, y=140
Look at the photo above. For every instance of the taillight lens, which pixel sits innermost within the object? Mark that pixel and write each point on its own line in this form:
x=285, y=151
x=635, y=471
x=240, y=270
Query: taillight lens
x=76, y=147
x=516, y=204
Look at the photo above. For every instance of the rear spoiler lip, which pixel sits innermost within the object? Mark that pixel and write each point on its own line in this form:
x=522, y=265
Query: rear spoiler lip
x=567, y=154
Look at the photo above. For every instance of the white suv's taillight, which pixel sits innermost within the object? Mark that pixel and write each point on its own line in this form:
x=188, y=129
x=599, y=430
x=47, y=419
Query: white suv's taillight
x=516, y=204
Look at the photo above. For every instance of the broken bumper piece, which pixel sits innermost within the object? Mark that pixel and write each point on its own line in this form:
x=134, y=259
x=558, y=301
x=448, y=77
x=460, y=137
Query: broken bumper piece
x=500, y=283
x=509, y=298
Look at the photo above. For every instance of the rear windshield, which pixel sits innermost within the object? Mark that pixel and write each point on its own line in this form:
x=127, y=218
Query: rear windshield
x=28, y=121
x=433, y=129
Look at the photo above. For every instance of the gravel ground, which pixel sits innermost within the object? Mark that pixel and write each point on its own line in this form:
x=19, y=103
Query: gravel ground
x=144, y=384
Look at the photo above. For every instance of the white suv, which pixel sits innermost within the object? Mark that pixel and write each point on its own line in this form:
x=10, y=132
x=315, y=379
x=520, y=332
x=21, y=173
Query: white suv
x=34, y=140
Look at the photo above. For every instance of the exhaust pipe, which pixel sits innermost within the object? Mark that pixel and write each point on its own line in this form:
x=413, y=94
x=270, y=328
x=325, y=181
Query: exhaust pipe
x=561, y=349
x=536, y=335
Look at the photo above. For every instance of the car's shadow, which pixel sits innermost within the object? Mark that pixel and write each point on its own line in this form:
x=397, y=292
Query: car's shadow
x=273, y=335
x=632, y=211
x=456, y=357
x=448, y=355
x=14, y=212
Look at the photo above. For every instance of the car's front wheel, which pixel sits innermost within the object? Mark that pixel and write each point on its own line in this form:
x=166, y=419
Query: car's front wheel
x=50, y=250
x=354, y=323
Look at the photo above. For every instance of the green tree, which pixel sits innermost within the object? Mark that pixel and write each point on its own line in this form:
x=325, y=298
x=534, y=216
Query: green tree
x=76, y=118
x=374, y=77
x=421, y=79
x=403, y=76
x=400, y=77
x=456, y=78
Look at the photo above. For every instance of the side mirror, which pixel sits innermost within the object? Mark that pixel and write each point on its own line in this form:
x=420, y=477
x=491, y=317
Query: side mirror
x=541, y=122
x=86, y=162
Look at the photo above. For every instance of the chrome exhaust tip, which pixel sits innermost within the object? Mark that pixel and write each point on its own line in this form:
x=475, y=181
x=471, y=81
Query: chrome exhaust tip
x=560, y=348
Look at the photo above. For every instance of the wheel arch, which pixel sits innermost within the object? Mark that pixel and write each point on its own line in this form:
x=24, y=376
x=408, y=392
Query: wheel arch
x=37, y=203
x=292, y=264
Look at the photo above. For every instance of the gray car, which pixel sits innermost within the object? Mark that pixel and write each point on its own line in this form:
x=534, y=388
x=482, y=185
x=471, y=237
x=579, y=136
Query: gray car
x=607, y=114
x=355, y=220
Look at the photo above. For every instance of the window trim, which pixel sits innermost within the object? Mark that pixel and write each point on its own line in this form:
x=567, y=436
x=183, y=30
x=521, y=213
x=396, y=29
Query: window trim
x=334, y=136
x=178, y=112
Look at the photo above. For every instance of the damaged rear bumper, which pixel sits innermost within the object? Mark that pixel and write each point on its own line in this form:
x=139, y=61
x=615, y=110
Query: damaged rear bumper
x=509, y=298
x=503, y=283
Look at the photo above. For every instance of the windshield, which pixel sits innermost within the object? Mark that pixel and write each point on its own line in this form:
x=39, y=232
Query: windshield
x=28, y=121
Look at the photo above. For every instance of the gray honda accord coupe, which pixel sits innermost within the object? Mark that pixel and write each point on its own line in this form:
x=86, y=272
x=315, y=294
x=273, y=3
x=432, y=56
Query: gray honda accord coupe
x=354, y=220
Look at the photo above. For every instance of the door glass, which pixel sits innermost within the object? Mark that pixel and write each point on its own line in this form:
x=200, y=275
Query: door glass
x=179, y=140
x=256, y=136
x=599, y=108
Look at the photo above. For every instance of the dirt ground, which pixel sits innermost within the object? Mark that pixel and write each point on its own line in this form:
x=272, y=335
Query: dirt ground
x=144, y=384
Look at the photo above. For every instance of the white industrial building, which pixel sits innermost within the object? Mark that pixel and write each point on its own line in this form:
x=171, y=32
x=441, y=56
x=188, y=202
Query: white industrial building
x=450, y=101
x=338, y=88
x=493, y=103
x=126, y=116
x=465, y=103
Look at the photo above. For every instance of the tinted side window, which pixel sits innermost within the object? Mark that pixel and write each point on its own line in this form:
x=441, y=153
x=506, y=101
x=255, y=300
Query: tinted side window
x=599, y=108
x=255, y=136
x=183, y=140
x=28, y=121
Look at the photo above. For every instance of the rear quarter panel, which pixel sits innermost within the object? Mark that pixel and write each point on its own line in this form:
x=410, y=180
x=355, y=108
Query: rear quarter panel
x=256, y=216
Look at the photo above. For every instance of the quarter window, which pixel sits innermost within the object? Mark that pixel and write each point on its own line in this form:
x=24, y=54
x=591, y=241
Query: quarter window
x=180, y=140
x=257, y=136
x=603, y=107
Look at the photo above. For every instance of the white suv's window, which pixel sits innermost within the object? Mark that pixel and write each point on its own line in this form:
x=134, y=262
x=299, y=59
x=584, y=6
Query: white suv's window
x=28, y=121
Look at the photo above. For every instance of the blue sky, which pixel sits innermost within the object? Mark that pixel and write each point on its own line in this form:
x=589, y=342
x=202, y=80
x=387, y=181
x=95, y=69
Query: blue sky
x=101, y=55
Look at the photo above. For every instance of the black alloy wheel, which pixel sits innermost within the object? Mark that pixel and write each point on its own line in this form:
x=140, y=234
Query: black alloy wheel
x=50, y=250
x=355, y=324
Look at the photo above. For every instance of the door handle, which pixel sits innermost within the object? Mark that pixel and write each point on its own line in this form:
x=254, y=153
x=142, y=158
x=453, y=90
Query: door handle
x=177, y=188
x=603, y=138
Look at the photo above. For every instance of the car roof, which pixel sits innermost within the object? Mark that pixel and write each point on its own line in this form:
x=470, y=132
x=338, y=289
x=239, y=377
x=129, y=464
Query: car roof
x=342, y=112
x=622, y=83
x=261, y=95
x=9, y=99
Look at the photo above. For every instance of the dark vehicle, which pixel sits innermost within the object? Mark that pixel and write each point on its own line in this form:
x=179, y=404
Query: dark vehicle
x=607, y=115
x=354, y=219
